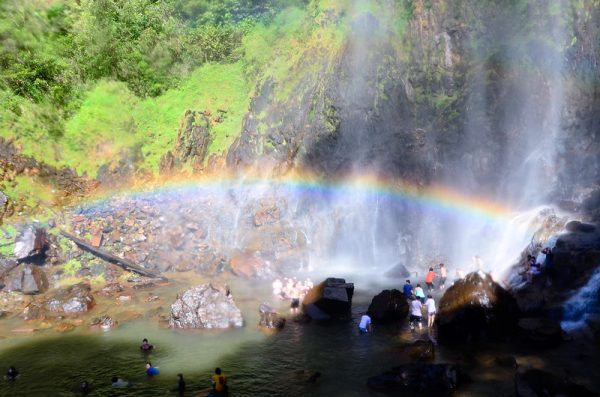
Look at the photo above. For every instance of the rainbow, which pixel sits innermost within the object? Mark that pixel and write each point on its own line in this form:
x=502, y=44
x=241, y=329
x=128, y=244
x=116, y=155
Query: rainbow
x=434, y=197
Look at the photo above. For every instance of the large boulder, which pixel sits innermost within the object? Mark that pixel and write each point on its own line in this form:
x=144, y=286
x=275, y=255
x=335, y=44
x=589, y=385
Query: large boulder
x=75, y=299
x=269, y=317
x=476, y=307
x=32, y=241
x=330, y=299
x=205, y=306
x=398, y=271
x=425, y=379
x=536, y=382
x=388, y=306
x=250, y=265
x=28, y=279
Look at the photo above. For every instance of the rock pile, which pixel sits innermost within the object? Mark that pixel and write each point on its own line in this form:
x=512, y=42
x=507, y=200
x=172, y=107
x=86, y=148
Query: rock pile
x=205, y=306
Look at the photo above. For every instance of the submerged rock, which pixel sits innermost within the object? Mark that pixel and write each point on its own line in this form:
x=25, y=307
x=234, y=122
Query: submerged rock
x=426, y=379
x=536, y=382
x=75, y=299
x=31, y=242
x=421, y=350
x=476, y=307
x=330, y=299
x=205, y=306
x=388, y=306
x=269, y=317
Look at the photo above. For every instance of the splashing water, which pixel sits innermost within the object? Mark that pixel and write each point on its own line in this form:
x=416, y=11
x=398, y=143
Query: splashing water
x=582, y=305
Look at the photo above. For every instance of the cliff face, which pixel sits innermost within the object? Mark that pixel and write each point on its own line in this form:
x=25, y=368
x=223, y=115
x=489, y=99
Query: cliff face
x=482, y=95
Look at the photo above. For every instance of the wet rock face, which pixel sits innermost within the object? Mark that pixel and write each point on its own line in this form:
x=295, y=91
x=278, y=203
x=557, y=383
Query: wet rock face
x=426, y=379
x=31, y=242
x=75, y=299
x=388, y=306
x=535, y=382
x=205, y=306
x=474, y=308
x=542, y=332
x=330, y=299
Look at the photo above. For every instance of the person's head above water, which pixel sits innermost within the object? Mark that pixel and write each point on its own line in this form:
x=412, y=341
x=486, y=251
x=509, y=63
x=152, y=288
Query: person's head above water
x=180, y=376
x=148, y=364
x=144, y=340
x=218, y=371
x=114, y=379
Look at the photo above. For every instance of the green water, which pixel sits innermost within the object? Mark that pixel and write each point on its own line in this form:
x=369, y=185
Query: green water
x=256, y=364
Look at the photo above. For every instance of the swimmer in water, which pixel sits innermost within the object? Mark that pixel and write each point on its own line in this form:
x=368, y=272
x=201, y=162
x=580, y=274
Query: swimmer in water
x=145, y=346
x=150, y=370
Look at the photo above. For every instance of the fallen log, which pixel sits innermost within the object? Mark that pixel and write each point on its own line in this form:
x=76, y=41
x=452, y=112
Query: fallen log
x=107, y=256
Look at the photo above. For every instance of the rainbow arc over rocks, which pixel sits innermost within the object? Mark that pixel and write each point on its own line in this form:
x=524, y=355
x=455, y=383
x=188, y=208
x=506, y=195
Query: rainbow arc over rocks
x=437, y=197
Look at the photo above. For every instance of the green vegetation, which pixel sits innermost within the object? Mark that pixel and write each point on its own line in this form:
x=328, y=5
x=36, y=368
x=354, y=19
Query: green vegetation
x=72, y=267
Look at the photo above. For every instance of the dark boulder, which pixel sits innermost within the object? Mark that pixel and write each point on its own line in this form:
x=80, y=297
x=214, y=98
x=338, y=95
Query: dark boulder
x=75, y=299
x=476, y=307
x=31, y=242
x=205, y=306
x=536, y=382
x=579, y=227
x=330, y=299
x=542, y=332
x=425, y=379
x=388, y=306
x=421, y=350
x=531, y=298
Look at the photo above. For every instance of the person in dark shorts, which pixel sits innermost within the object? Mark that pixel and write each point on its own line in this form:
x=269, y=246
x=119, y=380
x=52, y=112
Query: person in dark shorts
x=416, y=313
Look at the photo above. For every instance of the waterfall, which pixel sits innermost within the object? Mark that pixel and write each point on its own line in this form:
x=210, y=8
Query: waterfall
x=583, y=305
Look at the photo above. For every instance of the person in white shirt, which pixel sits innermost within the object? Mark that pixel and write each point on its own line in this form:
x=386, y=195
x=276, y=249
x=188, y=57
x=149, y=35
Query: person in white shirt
x=365, y=324
x=430, y=305
x=416, y=314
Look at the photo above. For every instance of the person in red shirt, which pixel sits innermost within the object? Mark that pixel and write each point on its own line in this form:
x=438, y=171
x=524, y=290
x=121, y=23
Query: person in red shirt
x=429, y=279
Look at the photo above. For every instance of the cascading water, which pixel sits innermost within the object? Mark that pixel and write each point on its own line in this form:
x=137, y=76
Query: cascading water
x=583, y=305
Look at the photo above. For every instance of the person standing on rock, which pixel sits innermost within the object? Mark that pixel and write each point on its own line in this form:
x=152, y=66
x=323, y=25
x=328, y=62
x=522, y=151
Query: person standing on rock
x=443, y=276
x=295, y=295
x=416, y=313
x=430, y=305
x=429, y=279
x=407, y=290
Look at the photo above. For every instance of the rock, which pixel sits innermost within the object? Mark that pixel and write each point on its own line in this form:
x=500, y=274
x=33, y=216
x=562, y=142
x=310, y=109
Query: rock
x=72, y=300
x=421, y=350
x=398, y=271
x=268, y=213
x=388, y=306
x=28, y=279
x=476, y=307
x=96, y=239
x=269, y=317
x=536, y=382
x=104, y=322
x=530, y=298
x=205, y=306
x=34, y=280
x=426, y=379
x=330, y=299
x=249, y=265
x=30, y=242
x=579, y=227
x=541, y=332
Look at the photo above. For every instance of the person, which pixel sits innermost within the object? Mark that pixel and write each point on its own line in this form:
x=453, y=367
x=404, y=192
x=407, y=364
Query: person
x=150, y=370
x=429, y=279
x=419, y=293
x=12, y=373
x=277, y=286
x=219, y=382
x=407, y=290
x=180, y=384
x=295, y=295
x=145, y=346
x=416, y=314
x=430, y=305
x=365, y=324
x=118, y=382
x=443, y=276
x=84, y=387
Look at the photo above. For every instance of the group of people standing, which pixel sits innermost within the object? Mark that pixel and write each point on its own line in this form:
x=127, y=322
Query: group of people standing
x=292, y=289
